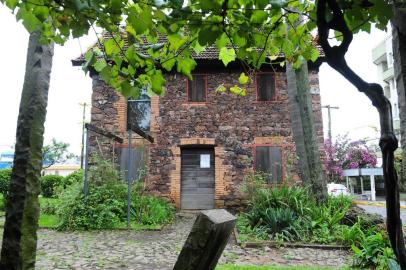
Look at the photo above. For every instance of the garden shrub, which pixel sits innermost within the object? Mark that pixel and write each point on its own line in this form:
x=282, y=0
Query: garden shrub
x=292, y=214
x=49, y=206
x=105, y=206
x=374, y=250
x=5, y=177
x=49, y=184
x=150, y=210
x=102, y=171
x=75, y=177
x=278, y=211
x=250, y=233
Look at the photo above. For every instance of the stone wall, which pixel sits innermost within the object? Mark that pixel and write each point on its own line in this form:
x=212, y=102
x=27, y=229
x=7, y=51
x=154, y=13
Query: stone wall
x=232, y=124
x=109, y=112
x=235, y=124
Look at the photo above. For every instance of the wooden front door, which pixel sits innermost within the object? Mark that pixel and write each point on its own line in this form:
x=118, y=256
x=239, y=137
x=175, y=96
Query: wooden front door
x=197, y=178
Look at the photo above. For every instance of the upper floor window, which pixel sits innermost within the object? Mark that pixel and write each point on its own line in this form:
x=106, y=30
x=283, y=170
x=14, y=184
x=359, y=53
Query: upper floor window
x=268, y=160
x=196, y=89
x=139, y=111
x=266, y=87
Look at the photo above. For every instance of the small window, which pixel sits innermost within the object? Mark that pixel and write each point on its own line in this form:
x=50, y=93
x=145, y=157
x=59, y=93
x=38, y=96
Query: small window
x=265, y=87
x=197, y=89
x=268, y=159
x=139, y=111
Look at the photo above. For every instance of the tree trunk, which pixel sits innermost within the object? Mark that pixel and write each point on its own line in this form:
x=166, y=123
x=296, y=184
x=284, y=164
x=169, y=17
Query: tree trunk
x=399, y=55
x=304, y=134
x=22, y=209
x=335, y=57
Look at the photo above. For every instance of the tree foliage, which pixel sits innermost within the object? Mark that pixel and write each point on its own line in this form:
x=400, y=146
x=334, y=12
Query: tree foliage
x=253, y=32
x=55, y=152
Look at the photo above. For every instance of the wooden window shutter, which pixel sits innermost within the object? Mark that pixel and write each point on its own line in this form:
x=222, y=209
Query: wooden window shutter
x=197, y=89
x=269, y=161
x=266, y=87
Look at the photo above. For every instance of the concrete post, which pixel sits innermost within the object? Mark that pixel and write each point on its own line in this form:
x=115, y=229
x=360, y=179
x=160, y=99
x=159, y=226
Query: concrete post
x=206, y=241
x=373, y=197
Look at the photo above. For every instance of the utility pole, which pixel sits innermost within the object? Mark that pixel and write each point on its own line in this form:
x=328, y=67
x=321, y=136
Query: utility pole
x=83, y=104
x=328, y=107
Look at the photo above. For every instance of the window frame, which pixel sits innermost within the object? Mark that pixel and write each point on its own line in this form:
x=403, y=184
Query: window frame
x=140, y=100
x=283, y=164
x=118, y=152
x=205, y=89
x=275, y=97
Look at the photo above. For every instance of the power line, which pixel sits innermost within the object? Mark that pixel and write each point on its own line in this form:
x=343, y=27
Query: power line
x=82, y=152
x=329, y=108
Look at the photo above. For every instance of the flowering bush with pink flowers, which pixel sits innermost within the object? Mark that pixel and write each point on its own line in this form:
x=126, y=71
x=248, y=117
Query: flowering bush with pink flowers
x=359, y=156
x=347, y=154
x=332, y=163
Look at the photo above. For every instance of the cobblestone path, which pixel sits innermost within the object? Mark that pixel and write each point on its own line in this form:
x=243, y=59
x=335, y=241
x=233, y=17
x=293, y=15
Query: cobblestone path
x=157, y=250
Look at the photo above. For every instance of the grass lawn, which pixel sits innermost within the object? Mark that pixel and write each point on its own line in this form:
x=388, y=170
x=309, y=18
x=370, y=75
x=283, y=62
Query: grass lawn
x=139, y=227
x=252, y=267
x=48, y=221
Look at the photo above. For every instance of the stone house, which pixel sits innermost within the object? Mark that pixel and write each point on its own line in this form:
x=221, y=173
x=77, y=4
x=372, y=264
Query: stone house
x=205, y=142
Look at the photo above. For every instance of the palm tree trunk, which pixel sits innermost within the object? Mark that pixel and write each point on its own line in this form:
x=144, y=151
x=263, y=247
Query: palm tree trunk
x=22, y=209
x=304, y=134
x=399, y=55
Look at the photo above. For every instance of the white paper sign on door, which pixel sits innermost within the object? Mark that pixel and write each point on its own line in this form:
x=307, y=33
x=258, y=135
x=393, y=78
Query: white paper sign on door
x=205, y=161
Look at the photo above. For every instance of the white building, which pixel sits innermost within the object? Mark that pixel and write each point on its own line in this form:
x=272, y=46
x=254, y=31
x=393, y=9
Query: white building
x=61, y=169
x=382, y=56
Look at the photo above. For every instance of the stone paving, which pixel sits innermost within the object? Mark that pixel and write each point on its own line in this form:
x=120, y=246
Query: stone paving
x=158, y=250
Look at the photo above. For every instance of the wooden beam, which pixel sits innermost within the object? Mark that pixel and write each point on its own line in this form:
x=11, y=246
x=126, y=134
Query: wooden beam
x=140, y=132
x=105, y=133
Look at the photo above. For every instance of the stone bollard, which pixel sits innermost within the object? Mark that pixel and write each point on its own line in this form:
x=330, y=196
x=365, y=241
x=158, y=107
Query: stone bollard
x=206, y=240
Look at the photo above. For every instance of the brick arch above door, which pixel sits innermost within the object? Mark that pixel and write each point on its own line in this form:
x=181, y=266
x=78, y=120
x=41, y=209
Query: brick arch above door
x=220, y=170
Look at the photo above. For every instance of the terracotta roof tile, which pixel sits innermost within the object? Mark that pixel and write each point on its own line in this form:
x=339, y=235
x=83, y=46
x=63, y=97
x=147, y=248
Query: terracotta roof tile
x=209, y=53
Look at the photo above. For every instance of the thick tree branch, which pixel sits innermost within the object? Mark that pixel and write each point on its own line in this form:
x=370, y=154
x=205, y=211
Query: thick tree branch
x=335, y=56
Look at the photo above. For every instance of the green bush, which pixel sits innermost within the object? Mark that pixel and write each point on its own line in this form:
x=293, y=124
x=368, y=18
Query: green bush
x=150, y=210
x=281, y=211
x=102, y=172
x=49, y=206
x=73, y=178
x=374, y=250
x=247, y=232
x=5, y=177
x=291, y=214
x=49, y=184
x=105, y=207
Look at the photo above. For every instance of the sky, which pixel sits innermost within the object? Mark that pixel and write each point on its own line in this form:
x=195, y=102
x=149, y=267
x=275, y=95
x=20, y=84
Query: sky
x=70, y=86
x=356, y=115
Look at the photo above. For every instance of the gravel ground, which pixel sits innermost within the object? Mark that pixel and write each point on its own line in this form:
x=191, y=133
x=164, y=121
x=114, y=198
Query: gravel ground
x=158, y=250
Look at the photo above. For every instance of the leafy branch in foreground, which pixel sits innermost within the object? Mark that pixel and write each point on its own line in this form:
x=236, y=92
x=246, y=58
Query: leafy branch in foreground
x=335, y=56
x=250, y=30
